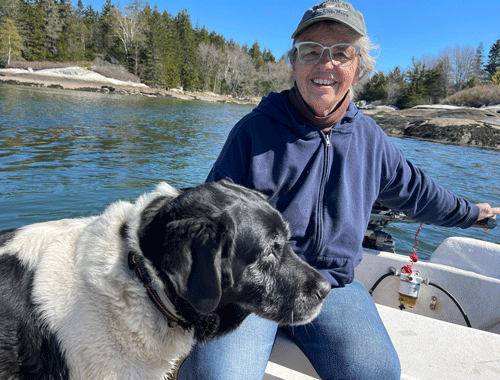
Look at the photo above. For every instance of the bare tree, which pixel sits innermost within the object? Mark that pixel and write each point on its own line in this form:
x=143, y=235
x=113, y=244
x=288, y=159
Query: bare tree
x=210, y=58
x=232, y=67
x=463, y=59
x=278, y=75
x=128, y=27
x=457, y=67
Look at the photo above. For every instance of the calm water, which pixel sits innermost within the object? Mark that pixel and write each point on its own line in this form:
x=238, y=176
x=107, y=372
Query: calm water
x=70, y=154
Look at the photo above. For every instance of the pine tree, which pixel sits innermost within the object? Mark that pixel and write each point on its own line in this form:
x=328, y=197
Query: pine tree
x=256, y=55
x=188, y=60
x=375, y=88
x=91, y=20
x=104, y=37
x=170, y=56
x=268, y=56
x=10, y=42
x=493, y=59
x=52, y=25
x=423, y=85
x=80, y=10
x=32, y=32
x=479, y=63
x=160, y=55
x=9, y=9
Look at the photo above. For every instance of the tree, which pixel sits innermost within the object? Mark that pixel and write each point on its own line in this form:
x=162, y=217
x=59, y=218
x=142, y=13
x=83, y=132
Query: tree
x=257, y=57
x=268, y=56
x=276, y=76
x=237, y=70
x=71, y=44
x=32, y=32
x=375, y=88
x=422, y=85
x=91, y=20
x=10, y=42
x=395, y=85
x=209, y=55
x=493, y=59
x=479, y=63
x=187, y=54
x=80, y=10
x=159, y=62
x=52, y=25
x=9, y=9
x=127, y=25
x=104, y=35
x=495, y=78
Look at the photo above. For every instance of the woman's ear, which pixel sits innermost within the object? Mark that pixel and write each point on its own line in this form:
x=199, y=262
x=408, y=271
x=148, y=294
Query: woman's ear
x=355, y=80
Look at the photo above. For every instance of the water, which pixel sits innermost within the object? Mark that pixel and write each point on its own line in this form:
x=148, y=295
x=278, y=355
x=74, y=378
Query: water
x=70, y=154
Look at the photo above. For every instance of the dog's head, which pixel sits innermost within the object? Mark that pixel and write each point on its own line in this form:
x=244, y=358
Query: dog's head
x=222, y=252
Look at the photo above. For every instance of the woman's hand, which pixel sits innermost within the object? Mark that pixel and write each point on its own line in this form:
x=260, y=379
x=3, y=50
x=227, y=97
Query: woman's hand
x=486, y=211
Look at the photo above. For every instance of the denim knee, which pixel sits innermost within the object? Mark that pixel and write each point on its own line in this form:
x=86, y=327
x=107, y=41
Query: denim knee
x=241, y=355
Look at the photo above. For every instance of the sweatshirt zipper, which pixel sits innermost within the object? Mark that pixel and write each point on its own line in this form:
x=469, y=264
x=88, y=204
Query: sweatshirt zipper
x=320, y=208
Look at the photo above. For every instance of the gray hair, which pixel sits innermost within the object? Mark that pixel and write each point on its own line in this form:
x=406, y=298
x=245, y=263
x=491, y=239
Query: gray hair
x=366, y=63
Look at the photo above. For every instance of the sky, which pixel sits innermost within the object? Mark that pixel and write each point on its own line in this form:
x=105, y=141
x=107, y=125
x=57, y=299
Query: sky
x=401, y=29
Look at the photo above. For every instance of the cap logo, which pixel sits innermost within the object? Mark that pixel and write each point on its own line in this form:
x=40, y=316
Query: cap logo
x=332, y=11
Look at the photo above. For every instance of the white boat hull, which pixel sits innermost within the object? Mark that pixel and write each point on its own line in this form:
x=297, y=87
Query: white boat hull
x=431, y=339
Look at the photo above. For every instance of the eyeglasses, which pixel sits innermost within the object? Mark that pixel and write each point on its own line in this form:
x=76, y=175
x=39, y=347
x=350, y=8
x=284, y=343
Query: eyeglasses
x=342, y=55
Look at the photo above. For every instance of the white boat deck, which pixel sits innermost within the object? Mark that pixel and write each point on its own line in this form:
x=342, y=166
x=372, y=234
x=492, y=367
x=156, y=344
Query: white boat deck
x=428, y=349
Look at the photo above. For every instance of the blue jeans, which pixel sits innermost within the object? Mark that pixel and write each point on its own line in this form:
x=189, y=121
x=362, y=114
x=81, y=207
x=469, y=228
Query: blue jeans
x=346, y=341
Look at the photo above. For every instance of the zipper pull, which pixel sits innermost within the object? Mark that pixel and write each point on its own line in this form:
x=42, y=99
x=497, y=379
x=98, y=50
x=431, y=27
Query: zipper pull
x=327, y=136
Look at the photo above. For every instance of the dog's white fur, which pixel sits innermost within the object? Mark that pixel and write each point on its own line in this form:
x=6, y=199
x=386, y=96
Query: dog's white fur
x=86, y=292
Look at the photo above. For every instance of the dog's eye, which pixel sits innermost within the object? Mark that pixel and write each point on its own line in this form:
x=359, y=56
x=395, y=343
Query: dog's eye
x=277, y=247
x=273, y=251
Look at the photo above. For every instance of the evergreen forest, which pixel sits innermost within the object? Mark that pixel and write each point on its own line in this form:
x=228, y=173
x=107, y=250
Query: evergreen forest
x=167, y=51
x=163, y=50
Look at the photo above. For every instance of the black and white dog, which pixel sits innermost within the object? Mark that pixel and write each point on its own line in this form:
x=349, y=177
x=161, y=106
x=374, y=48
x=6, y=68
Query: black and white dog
x=124, y=294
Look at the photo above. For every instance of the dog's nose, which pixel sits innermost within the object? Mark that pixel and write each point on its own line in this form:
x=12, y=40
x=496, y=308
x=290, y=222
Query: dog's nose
x=323, y=290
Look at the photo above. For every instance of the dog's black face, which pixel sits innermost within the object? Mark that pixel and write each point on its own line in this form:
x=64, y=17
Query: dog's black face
x=223, y=253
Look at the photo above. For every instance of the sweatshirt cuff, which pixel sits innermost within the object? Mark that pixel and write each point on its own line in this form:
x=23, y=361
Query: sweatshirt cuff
x=474, y=214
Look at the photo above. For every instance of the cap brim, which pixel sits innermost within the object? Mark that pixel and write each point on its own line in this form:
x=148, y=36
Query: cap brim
x=314, y=20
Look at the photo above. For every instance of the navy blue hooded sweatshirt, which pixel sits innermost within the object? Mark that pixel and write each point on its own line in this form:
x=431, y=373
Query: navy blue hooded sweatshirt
x=325, y=185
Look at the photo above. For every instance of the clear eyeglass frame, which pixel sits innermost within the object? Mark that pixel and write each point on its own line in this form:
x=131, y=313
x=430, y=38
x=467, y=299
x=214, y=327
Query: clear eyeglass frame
x=340, y=61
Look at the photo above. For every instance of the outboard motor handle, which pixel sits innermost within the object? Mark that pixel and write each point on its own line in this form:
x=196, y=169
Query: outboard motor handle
x=488, y=223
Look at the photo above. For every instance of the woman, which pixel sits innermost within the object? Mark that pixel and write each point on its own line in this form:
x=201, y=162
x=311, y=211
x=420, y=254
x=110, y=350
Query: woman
x=322, y=163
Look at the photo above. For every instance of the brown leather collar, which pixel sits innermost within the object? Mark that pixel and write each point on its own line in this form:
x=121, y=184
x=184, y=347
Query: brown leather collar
x=136, y=264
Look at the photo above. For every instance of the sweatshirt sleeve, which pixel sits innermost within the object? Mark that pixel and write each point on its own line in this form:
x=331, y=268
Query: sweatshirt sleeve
x=234, y=159
x=420, y=197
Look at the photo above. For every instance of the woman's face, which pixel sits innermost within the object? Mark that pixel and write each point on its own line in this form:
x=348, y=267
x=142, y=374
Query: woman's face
x=323, y=85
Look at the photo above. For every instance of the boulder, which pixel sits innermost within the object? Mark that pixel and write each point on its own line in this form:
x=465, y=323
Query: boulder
x=445, y=124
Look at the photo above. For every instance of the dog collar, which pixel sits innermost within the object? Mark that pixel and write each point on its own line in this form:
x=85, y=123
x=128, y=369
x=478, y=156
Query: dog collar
x=159, y=298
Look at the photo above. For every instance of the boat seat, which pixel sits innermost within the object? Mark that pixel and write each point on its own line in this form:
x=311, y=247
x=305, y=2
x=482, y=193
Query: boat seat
x=428, y=349
x=473, y=255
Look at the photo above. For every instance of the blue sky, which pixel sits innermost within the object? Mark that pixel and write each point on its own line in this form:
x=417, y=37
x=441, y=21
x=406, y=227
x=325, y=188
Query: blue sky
x=401, y=29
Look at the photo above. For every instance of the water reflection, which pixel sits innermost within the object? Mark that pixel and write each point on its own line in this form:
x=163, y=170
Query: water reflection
x=69, y=154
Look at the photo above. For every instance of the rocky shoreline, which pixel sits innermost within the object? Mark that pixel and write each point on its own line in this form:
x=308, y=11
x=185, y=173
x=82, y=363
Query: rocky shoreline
x=479, y=127
x=110, y=86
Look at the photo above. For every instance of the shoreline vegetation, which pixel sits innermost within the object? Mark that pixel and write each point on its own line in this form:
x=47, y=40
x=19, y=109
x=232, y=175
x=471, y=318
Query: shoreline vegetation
x=466, y=126
x=81, y=79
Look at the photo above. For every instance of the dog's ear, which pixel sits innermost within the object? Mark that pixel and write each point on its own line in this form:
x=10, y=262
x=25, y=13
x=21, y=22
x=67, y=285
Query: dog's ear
x=194, y=251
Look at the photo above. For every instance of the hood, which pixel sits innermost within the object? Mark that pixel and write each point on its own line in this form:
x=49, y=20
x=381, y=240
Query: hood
x=278, y=107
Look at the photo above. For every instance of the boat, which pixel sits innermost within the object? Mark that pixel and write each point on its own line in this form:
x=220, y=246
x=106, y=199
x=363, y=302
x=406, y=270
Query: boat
x=443, y=317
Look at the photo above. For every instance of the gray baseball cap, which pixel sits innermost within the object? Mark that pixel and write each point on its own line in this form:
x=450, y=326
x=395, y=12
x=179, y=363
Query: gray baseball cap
x=332, y=10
